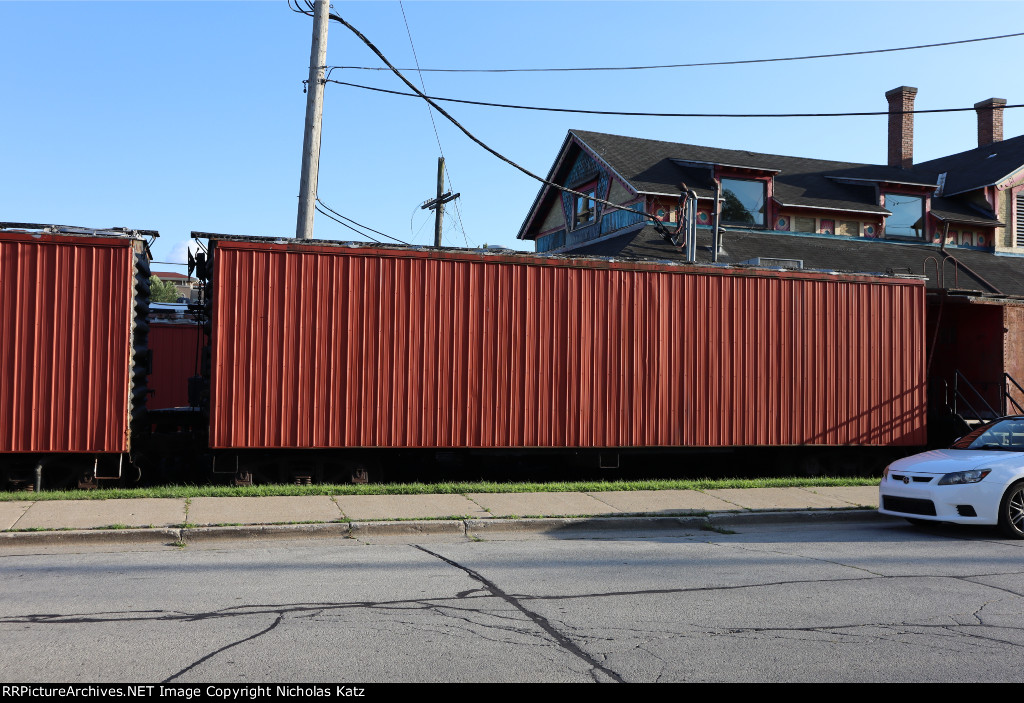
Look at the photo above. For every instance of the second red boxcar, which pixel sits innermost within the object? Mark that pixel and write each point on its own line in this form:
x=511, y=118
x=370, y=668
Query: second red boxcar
x=332, y=345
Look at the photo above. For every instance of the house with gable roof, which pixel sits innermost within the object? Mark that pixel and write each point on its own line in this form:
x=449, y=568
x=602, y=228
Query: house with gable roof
x=956, y=220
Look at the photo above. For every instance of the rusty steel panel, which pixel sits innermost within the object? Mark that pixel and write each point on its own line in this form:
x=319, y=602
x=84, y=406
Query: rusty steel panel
x=175, y=348
x=328, y=346
x=65, y=341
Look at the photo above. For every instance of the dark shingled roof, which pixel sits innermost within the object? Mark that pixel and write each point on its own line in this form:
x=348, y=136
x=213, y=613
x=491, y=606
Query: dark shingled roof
x=653, y=166
x=977, y=271
x=979, y=167
x=954, y=211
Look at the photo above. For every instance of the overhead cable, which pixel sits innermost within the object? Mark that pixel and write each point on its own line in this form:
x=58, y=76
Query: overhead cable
x=430, y=112
x=361, y=234
x=581, y=111
x=349, y=219
x=590, y=196
x=690, y=65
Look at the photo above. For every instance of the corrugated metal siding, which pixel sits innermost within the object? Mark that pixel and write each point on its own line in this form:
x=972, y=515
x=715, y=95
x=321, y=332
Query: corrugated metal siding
x=65, y=328
x=175, y=349
x=335, y=347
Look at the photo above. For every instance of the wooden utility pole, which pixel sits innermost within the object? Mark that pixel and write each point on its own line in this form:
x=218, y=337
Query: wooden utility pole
x=437, y=204
x=314, y=115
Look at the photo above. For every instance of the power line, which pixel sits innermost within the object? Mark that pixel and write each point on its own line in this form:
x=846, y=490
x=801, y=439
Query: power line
x=590, y=196
x=361, y=234
x=581, y=111
x=394, y=239
x=689, y=65
x=432, y=123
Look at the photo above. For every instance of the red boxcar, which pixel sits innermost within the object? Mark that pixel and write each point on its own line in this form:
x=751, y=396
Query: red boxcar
x=323, y=345
x=69, y=378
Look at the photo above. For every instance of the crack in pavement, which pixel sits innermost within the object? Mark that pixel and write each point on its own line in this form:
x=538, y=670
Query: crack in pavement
x=542, y=622
x=197, y=662
x=445, y=602
x=797, y=556
x=459, y=611
x=770, y=584
x=473, y=629
x=967, y=579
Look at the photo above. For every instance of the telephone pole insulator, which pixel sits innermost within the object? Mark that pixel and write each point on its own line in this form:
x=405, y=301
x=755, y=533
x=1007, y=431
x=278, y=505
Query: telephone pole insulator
x=437, y=204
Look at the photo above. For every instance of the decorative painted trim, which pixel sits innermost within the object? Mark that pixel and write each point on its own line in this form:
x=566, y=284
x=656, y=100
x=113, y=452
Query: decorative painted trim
x=611, y=235
x=1013, y=179
x=604, y=164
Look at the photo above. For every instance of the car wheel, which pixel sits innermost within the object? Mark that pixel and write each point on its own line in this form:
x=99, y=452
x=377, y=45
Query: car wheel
x=1011, y=511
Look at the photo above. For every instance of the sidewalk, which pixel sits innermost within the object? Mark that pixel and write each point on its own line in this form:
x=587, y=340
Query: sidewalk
x=182, y=520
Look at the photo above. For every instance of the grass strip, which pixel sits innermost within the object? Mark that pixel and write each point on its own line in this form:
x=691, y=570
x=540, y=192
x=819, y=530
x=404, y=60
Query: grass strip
x=459, y=488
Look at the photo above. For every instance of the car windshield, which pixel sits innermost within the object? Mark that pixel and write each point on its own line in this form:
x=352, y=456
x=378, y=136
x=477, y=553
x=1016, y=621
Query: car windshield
x=1001, y=435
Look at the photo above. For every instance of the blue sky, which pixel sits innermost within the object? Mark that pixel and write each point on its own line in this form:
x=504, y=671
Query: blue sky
x=181, y=116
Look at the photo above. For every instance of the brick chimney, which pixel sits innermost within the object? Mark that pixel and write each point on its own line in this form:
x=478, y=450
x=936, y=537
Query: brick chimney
x=990, y=121
x=901, y=126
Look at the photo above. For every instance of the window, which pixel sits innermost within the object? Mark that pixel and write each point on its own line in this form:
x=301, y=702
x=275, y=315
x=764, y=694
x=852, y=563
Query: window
x=805, y=224
x=848, y=228
x=586, y=208
x=907, y=218
x=743, y=202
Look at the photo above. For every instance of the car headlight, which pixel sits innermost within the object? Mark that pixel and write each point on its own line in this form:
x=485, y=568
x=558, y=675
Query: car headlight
x=885, y=473
x=958, y=477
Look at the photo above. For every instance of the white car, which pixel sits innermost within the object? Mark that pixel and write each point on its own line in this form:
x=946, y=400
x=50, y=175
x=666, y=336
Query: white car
x=977, y=481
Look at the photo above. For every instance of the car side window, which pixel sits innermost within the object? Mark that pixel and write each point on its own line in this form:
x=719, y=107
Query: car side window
x=1005, y=434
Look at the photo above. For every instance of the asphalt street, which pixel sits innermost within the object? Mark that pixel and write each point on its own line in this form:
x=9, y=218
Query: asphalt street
x=872, y=600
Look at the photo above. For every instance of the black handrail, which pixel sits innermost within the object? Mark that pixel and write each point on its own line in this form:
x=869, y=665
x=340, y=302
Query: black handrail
x=1007, y=396
x=958, y=376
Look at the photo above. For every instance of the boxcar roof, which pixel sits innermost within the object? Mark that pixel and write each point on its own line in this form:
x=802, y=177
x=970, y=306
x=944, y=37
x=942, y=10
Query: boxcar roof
x=662, y=256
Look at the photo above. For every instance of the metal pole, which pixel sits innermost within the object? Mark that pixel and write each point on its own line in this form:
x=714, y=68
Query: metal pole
x=439, y=212
x=314, y=114
x=716, y=238
x=691, y=226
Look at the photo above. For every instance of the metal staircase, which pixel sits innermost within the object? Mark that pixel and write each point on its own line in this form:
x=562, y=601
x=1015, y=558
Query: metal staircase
x=963, y=400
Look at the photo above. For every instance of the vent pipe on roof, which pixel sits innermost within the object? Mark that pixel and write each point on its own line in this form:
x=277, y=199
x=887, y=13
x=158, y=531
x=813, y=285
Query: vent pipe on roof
x=901, y=126
x=716, y=238
x=990, y=121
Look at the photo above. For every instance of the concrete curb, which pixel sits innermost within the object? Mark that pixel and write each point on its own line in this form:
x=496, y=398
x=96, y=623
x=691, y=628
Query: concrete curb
x=407, y=527
x=773, y=517
x=412, y=528
x=44, y=537
x=221, y=532
x=582, y=524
